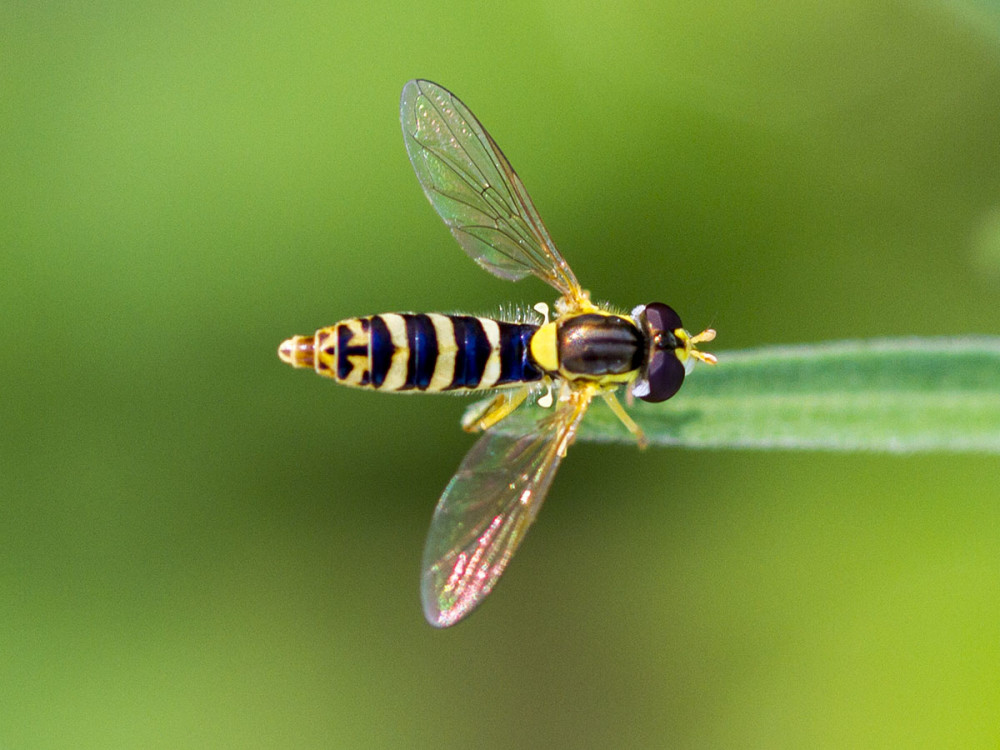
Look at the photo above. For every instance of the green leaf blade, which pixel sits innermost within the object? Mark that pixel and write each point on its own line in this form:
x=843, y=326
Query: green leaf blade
x=888, y=395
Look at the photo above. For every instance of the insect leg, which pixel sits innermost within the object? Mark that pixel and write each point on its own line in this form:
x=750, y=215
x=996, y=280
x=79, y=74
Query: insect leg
x=494, y=410
x=616, y=407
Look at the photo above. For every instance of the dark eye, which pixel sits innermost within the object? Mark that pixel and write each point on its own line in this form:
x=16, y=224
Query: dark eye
x=660, y=317
x=664, y=372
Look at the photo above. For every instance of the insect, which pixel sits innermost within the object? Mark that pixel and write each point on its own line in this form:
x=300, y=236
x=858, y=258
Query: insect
x=583, y=351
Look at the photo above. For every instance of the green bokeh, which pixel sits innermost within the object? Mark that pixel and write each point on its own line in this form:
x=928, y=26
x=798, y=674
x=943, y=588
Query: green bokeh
x=200, y=547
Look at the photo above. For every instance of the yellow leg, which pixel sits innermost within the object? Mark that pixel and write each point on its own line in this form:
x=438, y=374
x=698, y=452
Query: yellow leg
x=611, y=400
x=494, y=410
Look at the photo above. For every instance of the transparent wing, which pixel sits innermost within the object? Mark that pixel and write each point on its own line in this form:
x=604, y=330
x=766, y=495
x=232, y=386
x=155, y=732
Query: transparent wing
x=486, y=510
x=472, y=186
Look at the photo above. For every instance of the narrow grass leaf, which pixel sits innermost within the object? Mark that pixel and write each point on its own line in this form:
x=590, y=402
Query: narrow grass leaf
x=891, y=395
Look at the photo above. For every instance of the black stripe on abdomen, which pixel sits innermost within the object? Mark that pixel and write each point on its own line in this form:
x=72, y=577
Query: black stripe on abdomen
x=352, y=349
x=516, y=365
x=381, y=348
x=423, y=356
x=472, y=351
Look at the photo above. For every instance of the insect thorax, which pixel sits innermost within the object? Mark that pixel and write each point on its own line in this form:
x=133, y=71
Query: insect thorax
x=595, y=346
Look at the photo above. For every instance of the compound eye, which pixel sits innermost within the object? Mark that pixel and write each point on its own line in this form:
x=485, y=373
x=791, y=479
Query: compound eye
x=661, y=317
x=665, y=373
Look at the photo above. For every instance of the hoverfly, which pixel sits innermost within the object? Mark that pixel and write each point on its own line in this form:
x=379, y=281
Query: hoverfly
x=584, y=350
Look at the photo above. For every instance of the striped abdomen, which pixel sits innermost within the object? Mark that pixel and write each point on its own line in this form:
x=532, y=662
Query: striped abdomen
x=422, y=352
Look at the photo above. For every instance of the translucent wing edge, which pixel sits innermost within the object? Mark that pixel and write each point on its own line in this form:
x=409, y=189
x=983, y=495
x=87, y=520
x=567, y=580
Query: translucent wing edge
x=496, y=191
x=477, y=528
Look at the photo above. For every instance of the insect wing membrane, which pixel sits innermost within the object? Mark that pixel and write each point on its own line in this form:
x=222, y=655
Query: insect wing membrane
x=472, y=186
x=485, y=511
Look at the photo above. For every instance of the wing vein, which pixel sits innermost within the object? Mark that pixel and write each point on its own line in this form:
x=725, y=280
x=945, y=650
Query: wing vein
x=465, y=175
x=487, y=508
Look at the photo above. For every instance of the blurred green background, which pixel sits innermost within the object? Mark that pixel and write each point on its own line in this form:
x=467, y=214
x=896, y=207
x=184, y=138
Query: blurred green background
x=200, y=547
